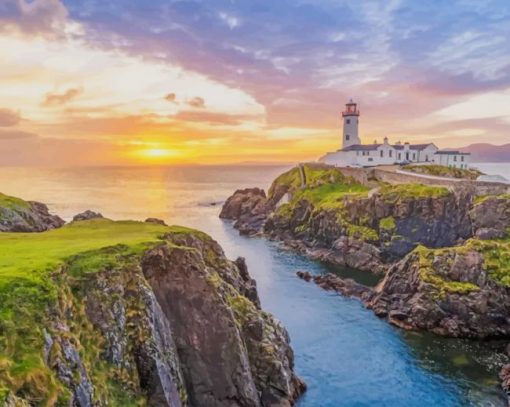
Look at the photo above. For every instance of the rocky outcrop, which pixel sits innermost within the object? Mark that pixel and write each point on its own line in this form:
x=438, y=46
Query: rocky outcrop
x=87, y=215
x=330, y=282
x=391, y=224
x=249, y=208
x=504, y=376
x=177, y=325
x=156, y=221
x=491, y=217
x=17, y=215
x=447, y=291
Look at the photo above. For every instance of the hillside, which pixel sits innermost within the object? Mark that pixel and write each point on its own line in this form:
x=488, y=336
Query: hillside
x=123, y=313
x=484, y=152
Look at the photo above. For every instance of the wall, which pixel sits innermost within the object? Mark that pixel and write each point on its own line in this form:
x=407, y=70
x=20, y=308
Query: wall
x=364, y=175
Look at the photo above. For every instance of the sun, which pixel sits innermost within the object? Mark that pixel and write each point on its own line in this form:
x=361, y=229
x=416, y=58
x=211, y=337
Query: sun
x=157, y=153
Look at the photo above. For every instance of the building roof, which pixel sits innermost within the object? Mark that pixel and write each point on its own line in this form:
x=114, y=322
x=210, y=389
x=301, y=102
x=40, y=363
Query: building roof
x=415, y=147
x=362, y=147
x=451, y=152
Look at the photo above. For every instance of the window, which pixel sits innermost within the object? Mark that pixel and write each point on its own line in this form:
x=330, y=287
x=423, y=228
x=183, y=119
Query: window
x=391, y=153
x=399, y=156
x=427, y=157
x=414, y=156
x=348, y=121
x=462, y=158
x=347, y=137
x=407, y=156
x=454, y=158
x=370, y=159
x=382, y=153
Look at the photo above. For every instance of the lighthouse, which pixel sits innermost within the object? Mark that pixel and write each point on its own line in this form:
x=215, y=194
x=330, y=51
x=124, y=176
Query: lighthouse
x=351, y=120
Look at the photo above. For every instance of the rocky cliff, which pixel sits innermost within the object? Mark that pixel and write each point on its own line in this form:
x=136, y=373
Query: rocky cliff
x=445, y=252
x=17, y=215
x=341, y=220
x=101, y=313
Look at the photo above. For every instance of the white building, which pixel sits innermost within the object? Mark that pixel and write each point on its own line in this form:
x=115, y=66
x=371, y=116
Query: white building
x=355, y=154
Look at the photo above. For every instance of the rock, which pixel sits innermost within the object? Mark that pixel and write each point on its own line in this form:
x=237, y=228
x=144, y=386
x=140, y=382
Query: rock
x=156, y=221
x=447, y=292
x=87, y=215
x=249, y=208
x=304, y=275
x=489, y=233
x=207, y=335
x=504, y=376
x=491, y=217
x=17, y=215
x=332, y=282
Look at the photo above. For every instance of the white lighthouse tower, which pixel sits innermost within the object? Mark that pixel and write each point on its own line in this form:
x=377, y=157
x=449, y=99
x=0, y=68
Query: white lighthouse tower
x=351, y=119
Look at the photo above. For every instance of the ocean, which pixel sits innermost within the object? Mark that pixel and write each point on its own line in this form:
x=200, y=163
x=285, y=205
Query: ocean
x=347, y=356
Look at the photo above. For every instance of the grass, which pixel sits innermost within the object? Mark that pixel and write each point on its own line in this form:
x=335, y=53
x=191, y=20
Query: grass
x=401, y=192
x=496, y=255
x=315, y=174
x=31, y=255
x=330, y=196
x=482, y=198
x=10, y=202
x=443, y=171
x=388, y=224
x=428, y=274
x=33, y=267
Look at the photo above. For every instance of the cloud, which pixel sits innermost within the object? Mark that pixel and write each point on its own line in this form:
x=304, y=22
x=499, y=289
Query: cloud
x=56, y=99
x=16, y=135
x=9, y=118
x=171, y=97
x=197, y=102
x=32, y=17
x=215, y=118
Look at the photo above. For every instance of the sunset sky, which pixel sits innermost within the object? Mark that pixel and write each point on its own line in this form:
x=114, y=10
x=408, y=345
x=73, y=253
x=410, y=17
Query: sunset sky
x=94, y=82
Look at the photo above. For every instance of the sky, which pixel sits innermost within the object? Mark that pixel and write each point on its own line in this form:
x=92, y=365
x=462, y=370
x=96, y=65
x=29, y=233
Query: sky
x=93, y=82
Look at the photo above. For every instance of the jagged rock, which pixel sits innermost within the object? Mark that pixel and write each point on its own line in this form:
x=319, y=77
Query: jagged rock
x=156, y=221
x=331, y=282
x=504, y=376
x=249, y=208
x=203, y=311
x=447, y=292
x=17, y=215
x=491, y=217
x=87, y=215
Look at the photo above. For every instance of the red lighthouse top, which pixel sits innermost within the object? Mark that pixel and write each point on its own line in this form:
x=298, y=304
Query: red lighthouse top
x=350, y=109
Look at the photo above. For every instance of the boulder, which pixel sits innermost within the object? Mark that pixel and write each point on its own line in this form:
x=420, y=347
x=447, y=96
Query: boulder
x=87, y=215
x=156, y=221
x=249, y=208
x=491, y=217
x=331, y=282
x=448, y=292
x=17, y=215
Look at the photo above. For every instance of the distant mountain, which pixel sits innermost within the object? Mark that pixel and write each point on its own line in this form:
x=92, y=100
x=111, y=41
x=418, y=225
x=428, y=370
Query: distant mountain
x=484, y=152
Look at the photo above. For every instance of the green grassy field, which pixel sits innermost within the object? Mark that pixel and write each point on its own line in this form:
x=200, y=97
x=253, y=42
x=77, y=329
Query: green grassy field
x=25, y=255
x=34, y=269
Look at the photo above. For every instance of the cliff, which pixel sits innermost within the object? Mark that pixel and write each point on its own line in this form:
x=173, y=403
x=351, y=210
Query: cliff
x=17, y=215
x=128, y=313
x=361, y=225
x=445, y=252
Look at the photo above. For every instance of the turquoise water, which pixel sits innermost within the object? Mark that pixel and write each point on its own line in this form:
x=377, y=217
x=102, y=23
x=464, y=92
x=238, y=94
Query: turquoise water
x=347, y=356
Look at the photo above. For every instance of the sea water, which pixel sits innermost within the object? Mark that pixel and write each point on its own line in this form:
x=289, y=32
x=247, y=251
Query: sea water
x=347, y=356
